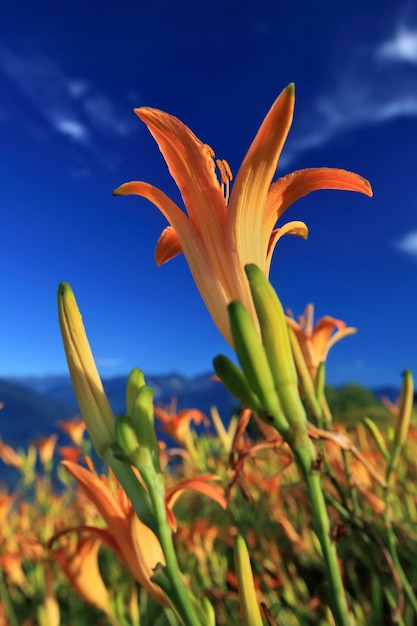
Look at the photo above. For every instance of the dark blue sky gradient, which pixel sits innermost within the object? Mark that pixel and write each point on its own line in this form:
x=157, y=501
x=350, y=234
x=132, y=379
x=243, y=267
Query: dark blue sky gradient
x=70, y=76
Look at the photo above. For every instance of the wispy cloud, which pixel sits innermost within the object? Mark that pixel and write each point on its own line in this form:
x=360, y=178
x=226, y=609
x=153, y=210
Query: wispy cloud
x=72, y=128
x=109, y=362
x=63, y=105
x=402, y=48
x=376, y=83
x=408, y=244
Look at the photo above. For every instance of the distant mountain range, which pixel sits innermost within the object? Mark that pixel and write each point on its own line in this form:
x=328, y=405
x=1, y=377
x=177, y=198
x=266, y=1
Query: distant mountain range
x=33, y=405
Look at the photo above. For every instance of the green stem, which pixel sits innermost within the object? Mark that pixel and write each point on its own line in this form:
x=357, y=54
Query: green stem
x=352, y=491
x=178, y=592
x=5, y=598
x=305, y=457
x=134, y=490
x=392, y=547
x=322, y=528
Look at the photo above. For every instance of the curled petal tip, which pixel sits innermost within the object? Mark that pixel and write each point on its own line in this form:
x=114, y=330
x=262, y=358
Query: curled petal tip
x=122, y=190
x=370, y=193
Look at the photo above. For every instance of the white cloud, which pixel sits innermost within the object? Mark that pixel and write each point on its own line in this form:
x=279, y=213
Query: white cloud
x=401, y=48
x=102, y=114
x=72, y=128
x=367, y=89
x=108, y=361
x=67, y=105
x=408, y=243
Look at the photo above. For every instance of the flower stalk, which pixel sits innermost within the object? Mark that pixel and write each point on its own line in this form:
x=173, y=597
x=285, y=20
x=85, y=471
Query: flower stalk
x=268, y=366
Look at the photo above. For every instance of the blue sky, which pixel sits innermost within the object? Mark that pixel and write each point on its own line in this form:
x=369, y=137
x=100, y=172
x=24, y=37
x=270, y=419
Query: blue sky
x=70, y=76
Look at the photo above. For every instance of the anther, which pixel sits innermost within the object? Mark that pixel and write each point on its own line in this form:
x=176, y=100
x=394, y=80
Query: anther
x=227, y=169
x=225, y=177
x=223, y=172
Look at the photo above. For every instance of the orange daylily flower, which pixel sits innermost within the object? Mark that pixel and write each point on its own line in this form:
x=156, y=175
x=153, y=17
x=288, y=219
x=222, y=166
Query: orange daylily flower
x=11, y=565
x=177, y=424
x=69, y=453
x=220, y=235
x=74, y=429
x=46, y=448
x=316, y=342
x=9, y=456
x=79, y=561
x=134, y=542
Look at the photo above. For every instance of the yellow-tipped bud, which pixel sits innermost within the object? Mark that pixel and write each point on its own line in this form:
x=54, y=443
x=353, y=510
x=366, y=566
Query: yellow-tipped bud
x=247, y=595
x=403, y=420
x=94, y=406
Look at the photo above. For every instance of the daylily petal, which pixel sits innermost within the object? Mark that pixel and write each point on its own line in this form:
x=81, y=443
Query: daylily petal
x=137, y=544
x=253, y=180
x=323, y=337
x=219, y=240
x=98, y=493
x=338, y=336
x=80, y=565
x=168, y=246
x=316, y=343
x=168, y=208
x=208, y=266
x=148, y=553
x=191, y=166
x=290, y=228
x=201, y=484
x=285, y=191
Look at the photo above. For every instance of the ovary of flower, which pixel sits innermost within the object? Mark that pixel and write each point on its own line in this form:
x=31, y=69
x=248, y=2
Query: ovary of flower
x=221, y=232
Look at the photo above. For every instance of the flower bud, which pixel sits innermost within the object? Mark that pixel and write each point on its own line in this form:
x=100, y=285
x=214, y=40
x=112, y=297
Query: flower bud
x=94, y=406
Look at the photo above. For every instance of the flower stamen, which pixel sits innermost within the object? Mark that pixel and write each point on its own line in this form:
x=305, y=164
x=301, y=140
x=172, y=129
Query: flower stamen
x=226, y=177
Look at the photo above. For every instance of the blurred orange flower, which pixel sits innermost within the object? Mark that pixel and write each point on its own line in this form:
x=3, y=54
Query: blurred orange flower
x=316, y=342
x=177, y=424
x=69, y=453
x=46, y=448
x=134, y=542
x=78, y=559
x=9, y=456
x=74, y=429
x=220, y=235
